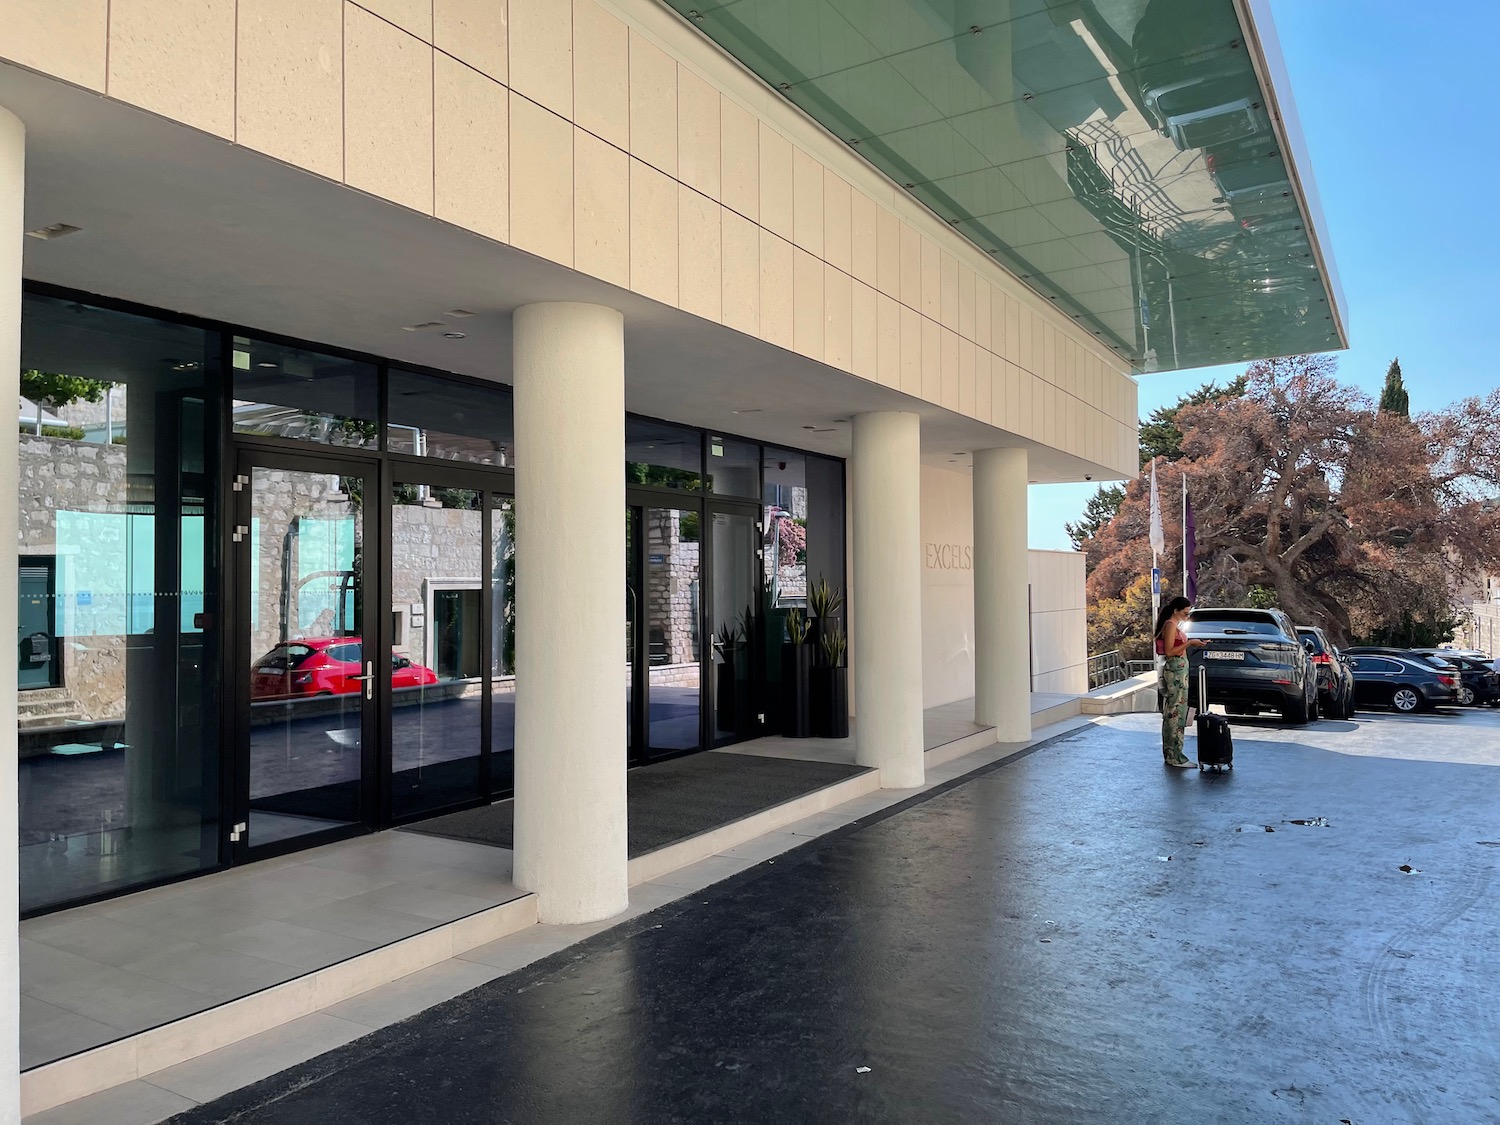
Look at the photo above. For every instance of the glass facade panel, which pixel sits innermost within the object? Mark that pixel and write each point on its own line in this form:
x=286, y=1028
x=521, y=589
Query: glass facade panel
x=310, y=664
x=673, y=571
x=287, y=392
x=503, y=645
x=663, y=455
x=118, y=656
x=733, y=467
x=444, y=418
x=734, y=620
x=437, y=670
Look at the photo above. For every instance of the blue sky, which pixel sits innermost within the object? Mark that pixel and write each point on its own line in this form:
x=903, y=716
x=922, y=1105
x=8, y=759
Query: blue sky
x=1394, y=99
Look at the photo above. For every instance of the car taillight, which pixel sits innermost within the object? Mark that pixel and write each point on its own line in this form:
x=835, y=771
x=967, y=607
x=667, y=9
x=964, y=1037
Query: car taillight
x=1446, y=681
x=1322, y=658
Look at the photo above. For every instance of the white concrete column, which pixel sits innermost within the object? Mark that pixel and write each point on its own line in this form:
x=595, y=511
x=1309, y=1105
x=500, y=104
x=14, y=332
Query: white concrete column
x=570, y=610
x=12, y=185
x=1002, y=633
x=886, y=602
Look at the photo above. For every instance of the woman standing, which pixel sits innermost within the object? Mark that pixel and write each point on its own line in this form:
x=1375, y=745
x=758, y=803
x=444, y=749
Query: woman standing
x=1170, y=643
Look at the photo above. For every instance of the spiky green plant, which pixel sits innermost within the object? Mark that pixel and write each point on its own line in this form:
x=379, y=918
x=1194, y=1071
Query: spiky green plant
x=824, y=600
x=796, y=626
x=834, y=646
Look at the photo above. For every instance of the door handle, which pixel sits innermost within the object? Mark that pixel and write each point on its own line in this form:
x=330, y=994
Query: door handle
x=368, y=679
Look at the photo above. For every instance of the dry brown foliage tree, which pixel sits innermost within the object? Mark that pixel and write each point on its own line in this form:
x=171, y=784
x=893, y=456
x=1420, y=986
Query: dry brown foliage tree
x=1347, y=517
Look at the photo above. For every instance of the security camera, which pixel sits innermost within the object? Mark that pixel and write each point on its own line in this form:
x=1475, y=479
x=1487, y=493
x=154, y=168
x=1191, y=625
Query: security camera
x=1087, y=477
x=781, y=465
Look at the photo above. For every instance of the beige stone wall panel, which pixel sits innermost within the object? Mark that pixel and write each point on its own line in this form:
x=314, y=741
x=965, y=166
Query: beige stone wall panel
x=653, y=233
x=838, y=218
x=948, y=290
x=911, y=350
x=601, y=210
x=653, y=104
x=387, y=111
x=777, y=200
x=739, y=134
x=932, y=361
x=888, y=340
x=948, y=365
x=699, y=249
x=601, y=73
x=412, y=16
x=700, y=153
x=807, y=311
x=864, y=237
x=471, y=149
x=838, y=318
x=807, y=203
x=777, y=300
x=175, y=58
x=984, y=387
x=65, y=38
x=741, y=272
x=866, y=353
x=541, y=181
x=888, y=253
x=475, y=32
x=541, y=53
x=289, y=75
x=967, y=394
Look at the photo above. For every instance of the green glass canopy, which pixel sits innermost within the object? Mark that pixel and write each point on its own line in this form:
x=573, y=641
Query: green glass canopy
x=1125, y=158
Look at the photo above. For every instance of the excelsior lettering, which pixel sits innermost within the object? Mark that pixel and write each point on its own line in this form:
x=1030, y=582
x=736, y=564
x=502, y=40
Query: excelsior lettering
x=948, y=556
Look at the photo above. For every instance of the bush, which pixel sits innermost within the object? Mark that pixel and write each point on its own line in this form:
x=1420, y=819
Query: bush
x=67, y=433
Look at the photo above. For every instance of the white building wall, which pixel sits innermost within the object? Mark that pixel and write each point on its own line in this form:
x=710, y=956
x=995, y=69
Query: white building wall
x=1059, y=627
x=1059, y=634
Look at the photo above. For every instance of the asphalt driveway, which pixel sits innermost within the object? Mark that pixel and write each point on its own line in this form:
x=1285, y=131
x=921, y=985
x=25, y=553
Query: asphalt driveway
x=1077, y=935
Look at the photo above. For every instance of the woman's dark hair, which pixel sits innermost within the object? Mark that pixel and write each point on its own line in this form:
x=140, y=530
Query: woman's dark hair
x=1167, y=610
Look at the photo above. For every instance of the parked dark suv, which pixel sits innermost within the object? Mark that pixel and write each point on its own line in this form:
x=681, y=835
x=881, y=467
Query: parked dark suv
x=1335, y=680
x=1255, y=662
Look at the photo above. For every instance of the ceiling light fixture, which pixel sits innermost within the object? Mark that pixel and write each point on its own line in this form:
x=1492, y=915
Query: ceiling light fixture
x=459, y=314
x=56, y=230
x=454, y=335
x=425, y=324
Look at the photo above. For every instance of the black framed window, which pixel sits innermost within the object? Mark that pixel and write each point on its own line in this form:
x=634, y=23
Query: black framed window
x=117, y=545
x=291, y=392
x=733, y=467
x=664, y=455
x=428, y=416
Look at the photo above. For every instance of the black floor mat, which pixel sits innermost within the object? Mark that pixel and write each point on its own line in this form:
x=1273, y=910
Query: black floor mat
x=672, y=800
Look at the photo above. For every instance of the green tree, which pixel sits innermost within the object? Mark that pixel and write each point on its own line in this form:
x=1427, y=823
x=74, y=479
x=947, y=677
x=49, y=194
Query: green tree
x=55, y=390
x=1100, y=509
x=1162, y=437
x=1393, y=398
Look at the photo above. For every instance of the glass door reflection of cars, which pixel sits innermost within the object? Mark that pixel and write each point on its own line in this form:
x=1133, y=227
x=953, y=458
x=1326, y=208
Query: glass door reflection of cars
x=305, y=648
x=437, y=568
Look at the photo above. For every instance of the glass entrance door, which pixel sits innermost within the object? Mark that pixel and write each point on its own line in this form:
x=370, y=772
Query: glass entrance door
x=306, y=656
x=664, y=620
x=734, y=620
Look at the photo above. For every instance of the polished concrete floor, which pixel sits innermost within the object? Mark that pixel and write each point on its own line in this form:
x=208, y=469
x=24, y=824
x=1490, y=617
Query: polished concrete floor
x=1072, y=935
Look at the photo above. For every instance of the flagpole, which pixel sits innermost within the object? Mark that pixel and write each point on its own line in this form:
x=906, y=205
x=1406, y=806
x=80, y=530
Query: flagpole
x=1184, y=535
x=1155, y=565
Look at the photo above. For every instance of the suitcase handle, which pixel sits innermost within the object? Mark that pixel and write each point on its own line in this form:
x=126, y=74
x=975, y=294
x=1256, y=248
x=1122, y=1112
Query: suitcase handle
x=1202, y=689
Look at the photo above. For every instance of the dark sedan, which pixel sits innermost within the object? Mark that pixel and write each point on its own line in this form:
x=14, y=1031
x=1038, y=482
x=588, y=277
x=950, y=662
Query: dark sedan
x=1255, y=662
x=1480, y=684
x=1403, y=681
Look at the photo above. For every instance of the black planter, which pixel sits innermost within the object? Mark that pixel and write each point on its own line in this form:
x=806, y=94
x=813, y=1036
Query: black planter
x=830, y=702
x=796, y=690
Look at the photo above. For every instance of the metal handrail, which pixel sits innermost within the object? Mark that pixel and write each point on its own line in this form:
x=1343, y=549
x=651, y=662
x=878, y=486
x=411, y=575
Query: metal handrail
x=1105, y=668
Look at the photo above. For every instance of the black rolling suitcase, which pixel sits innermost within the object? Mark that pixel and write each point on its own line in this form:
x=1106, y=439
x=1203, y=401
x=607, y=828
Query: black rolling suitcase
x=1215, y=743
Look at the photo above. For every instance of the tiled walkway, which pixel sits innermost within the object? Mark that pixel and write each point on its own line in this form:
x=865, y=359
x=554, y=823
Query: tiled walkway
x=97, y=973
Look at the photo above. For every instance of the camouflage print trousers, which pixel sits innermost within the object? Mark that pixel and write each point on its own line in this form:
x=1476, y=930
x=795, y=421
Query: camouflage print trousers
x=1174, y=707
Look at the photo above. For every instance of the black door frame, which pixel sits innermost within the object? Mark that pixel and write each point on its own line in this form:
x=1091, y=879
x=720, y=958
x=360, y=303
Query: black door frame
x=758, y=710
x=246, y=458
x=638, y=500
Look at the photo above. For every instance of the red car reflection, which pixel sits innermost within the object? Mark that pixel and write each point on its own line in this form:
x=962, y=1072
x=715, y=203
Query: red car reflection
x=325, y=666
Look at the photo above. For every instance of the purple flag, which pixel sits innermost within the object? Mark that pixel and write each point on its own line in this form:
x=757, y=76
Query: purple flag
x=1189, y=548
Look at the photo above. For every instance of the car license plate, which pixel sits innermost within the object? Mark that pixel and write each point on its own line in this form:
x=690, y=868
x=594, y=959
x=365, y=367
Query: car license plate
x=1224, y=655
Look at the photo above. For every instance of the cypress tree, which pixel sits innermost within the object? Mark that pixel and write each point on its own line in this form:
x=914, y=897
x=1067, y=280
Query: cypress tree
x=1394, y=399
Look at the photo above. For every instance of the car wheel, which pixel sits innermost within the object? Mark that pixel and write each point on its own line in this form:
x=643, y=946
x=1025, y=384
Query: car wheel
x=1349, y=707
x=1466, y=696
x=1405, y=700
x=1315, y=710
x=1296, y=713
